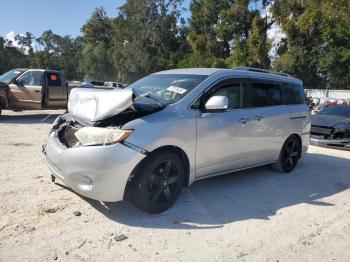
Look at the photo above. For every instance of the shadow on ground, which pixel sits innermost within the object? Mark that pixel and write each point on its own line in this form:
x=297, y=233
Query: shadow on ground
x=28, y=118
x=253, y=194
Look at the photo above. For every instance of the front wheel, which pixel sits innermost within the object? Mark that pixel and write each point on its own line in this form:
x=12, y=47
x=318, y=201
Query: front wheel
x=289, y=155
x=158, y=182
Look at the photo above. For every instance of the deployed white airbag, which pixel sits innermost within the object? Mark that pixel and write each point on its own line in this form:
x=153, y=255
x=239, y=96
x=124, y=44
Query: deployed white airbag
x=94, y=104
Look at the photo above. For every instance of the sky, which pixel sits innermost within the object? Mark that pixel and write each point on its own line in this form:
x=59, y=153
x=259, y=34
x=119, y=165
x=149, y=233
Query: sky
x=63, y=17
x=66, y=17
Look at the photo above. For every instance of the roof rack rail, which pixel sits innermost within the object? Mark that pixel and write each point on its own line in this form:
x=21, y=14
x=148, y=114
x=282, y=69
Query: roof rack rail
x=259, y=70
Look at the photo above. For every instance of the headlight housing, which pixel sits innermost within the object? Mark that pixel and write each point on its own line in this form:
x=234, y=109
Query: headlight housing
x=93, y=136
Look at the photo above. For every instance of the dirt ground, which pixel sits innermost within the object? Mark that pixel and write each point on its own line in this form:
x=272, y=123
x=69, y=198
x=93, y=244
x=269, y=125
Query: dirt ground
x=255, y=215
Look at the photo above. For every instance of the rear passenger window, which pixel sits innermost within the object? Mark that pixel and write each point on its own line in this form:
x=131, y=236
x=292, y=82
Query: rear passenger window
x=266, y=94
x=53, y=79
x=293, y=94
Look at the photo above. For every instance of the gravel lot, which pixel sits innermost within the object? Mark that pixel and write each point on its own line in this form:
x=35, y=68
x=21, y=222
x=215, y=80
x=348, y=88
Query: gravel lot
x=255, y=215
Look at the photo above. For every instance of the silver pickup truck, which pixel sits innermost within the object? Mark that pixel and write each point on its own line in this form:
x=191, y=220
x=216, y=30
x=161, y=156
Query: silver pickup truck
x=33, y=89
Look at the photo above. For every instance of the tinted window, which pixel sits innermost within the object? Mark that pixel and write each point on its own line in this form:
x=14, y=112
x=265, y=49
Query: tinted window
x=97, y=83
x=266, y=94
x=293, y=94
x=31, y=78
x=233, y=92
x=53, y=79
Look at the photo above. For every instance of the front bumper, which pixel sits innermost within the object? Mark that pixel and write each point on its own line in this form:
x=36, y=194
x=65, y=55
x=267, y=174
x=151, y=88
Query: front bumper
x=97, y=172
x=331, y=143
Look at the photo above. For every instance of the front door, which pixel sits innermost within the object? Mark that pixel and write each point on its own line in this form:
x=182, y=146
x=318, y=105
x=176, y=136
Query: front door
x=223, y=138
x=26, y=93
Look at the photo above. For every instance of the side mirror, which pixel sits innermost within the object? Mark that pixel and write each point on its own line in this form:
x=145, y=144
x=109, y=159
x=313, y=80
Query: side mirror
x=217, y=103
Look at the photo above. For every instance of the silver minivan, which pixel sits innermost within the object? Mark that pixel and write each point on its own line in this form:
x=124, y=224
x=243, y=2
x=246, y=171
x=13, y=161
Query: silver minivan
x=171, y=128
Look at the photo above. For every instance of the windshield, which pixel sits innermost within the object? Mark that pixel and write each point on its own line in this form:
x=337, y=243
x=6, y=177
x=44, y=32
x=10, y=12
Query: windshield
x=336, y=110
x=8, y=76
x=167, y=88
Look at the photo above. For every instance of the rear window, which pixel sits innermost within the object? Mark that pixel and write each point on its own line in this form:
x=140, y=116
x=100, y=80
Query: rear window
x=53, y=79
x=266, y=94
x=293, y=94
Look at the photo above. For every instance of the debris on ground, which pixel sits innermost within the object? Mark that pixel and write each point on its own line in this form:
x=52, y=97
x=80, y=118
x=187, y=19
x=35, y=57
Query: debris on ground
x=50, y=210
x=82, y=244
x=77, y=213
x=120, y=237
x=109, y=243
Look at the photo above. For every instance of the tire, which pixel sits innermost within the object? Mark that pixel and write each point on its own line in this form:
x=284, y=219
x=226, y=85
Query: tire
x=289, y=155
x=158, y=182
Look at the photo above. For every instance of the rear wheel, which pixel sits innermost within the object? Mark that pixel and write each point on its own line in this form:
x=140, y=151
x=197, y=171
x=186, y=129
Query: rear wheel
x=158, y=182
x=289, y=155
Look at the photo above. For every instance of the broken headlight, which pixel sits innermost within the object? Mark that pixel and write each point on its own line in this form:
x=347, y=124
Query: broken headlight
x=93, y=136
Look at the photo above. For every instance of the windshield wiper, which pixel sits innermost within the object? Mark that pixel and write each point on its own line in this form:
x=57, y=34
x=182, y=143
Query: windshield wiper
x=148, y=95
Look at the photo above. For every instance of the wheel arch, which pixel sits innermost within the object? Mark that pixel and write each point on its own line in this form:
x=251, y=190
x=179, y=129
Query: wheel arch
x=177, y=150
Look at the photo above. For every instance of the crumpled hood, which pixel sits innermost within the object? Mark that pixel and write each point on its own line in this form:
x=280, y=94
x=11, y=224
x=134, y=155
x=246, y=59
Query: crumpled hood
x=94, y=104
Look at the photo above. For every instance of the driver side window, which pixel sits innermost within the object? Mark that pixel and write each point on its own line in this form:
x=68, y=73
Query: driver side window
x=31, y=78
x=234, y=94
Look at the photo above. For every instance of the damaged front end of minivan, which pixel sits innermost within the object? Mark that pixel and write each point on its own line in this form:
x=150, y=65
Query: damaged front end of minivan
x=86, y=147
x=96, y=117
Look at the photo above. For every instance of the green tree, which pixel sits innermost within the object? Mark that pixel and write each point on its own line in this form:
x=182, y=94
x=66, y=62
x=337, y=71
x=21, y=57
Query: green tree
x=58, y=53
x=228, y=33
x=146, y=37
x=26, y=41
x=317, y=43
x=210, y=45
x=259, y=44
x=10, y=56
x=95, y=62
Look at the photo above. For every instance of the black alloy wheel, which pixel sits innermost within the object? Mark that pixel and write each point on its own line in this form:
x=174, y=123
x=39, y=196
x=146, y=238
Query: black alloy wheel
x=163, y=182
x=158, y=182
x=289, y=156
